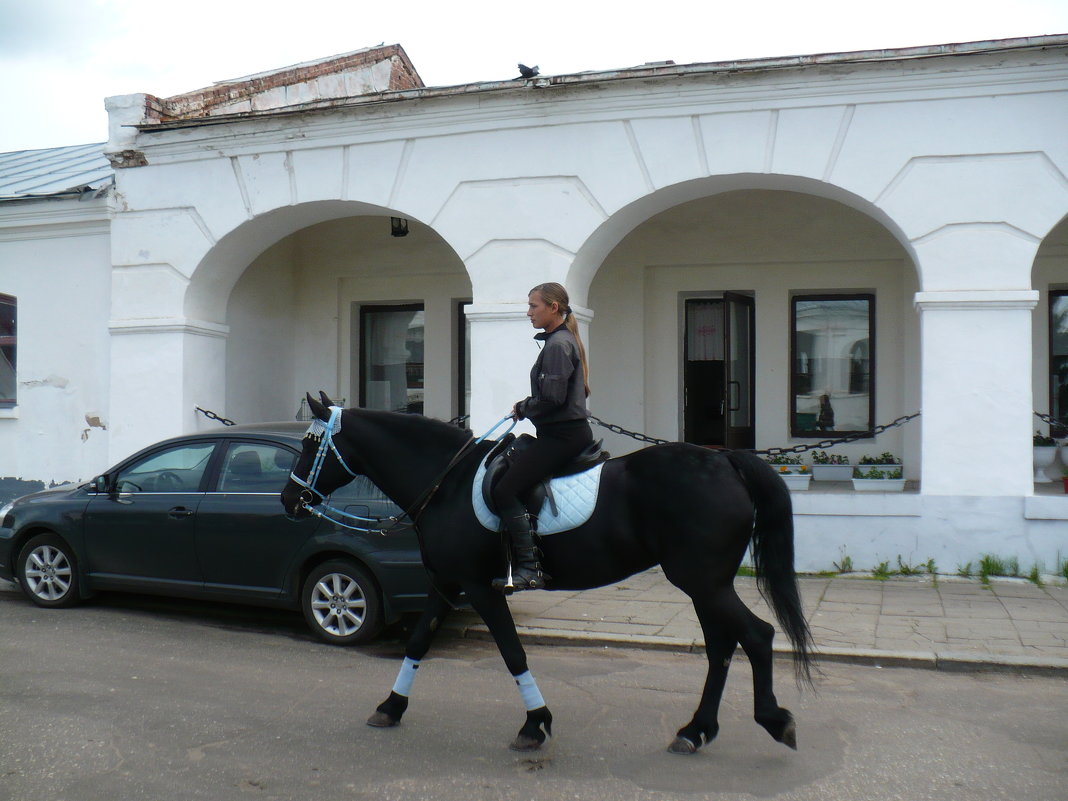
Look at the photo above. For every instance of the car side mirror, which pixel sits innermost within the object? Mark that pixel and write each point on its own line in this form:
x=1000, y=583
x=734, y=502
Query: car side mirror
x=100, y=484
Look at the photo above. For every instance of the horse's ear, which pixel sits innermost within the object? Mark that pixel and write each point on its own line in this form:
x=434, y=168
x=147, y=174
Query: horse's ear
x=320, y=411
x=325, y=399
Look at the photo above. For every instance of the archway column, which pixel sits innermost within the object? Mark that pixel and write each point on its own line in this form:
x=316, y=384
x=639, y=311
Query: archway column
x=160, y=370
x=976, y=391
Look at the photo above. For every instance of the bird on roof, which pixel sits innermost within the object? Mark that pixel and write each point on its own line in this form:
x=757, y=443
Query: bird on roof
x=527, y=72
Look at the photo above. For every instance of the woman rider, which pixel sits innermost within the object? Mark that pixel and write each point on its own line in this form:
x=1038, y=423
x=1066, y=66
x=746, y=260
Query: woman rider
x=559, y=385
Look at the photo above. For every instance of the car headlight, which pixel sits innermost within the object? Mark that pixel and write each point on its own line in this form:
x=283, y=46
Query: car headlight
x=7, y=507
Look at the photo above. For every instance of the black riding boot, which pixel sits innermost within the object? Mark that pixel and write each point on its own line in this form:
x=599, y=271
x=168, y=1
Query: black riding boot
x=526, y=574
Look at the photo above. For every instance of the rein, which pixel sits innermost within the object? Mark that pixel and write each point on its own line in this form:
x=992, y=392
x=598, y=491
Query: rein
x=324, y=432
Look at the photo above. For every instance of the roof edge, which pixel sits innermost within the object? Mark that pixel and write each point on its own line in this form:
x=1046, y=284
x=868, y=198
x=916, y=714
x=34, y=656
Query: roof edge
x=655, y=70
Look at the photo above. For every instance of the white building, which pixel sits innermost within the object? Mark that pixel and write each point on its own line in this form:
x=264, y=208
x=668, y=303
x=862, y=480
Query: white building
x=885, y=232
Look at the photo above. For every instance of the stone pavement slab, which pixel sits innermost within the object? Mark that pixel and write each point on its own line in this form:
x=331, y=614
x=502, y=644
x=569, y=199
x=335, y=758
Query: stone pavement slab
x=930, y=621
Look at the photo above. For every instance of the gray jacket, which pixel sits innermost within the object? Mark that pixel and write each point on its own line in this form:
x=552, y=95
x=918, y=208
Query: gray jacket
x=557, y=384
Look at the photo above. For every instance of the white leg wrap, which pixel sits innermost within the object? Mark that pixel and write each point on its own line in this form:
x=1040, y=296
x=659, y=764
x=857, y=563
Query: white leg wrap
x=403, y=685
x=528, y=689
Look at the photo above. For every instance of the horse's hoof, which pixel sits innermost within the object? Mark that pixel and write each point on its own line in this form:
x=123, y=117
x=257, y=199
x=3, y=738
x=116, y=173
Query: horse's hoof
x=380, y=720
x=789, y=735
x=682, y=746
x=523, y=743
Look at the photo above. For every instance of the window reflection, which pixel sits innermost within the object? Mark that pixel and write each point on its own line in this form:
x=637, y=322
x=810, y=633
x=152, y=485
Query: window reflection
x=832, y=364
x=392, y=364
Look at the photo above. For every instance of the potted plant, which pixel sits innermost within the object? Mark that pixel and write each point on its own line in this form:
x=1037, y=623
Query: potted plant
x=830, y=467
x=888, y=478
x=1044, y=453
x=796, y=476
x=791, y=470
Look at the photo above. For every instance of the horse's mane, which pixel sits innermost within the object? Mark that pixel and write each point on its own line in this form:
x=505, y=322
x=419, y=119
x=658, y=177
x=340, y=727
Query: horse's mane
x=415, y=423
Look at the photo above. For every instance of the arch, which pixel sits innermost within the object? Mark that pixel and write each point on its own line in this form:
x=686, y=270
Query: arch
x=220, y=268
x=592, y=254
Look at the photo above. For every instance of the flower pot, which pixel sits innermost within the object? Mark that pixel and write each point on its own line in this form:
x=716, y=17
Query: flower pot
x=1043, y=456
x=796, y=481
x=878, y=484
x=1065, y=480
x=832, y=472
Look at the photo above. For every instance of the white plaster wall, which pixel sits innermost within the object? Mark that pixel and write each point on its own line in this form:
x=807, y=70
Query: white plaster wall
x=951, y=530
x=54, y=258
x=261, y=348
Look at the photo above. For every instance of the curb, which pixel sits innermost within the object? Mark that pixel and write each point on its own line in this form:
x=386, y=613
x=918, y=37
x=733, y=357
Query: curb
x=946, y=661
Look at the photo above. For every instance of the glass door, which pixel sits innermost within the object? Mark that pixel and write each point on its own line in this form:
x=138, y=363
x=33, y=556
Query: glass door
x=739, y=348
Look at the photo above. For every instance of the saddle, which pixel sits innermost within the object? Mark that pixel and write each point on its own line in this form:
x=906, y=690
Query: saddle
x=505, y=452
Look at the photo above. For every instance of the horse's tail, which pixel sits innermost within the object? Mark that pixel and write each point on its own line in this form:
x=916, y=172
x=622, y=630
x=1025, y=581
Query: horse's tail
x=773, y=554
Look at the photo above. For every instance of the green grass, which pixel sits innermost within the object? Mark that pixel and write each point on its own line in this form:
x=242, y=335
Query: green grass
x=1035, y=576
x=908, y=569
x=882, y=571
x=965, y=570
x=845, y=566
x=990, y=565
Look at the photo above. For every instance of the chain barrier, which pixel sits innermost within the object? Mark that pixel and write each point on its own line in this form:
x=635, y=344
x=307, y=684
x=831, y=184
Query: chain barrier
x=212, y=416
x=632, y=434
x=803, y=448
x=821, y=445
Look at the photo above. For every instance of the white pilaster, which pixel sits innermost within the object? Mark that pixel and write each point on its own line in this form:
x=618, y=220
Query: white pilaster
x=160, y=370
x=976, y=391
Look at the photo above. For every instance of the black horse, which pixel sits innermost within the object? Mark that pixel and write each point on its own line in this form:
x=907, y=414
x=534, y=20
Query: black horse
x=693, y=511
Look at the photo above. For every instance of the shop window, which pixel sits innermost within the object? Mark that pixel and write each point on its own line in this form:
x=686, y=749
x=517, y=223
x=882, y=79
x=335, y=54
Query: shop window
x=1058, y=359
x=832, y=384
x=391, y=358
x=8, y=336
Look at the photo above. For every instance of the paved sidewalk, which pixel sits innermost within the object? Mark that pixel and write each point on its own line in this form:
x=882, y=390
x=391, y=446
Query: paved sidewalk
x=943, y=623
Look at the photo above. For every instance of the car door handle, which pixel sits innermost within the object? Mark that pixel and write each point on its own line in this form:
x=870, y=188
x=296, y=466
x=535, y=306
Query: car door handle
x=179, y=511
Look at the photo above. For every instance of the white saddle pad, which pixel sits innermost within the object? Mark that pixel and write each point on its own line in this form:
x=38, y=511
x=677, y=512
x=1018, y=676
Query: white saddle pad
x=575, y=498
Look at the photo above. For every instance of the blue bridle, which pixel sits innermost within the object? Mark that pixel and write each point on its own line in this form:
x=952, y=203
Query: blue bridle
x=324, y=432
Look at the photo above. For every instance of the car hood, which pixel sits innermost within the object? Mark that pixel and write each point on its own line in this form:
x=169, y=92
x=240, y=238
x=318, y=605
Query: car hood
x=51, y=492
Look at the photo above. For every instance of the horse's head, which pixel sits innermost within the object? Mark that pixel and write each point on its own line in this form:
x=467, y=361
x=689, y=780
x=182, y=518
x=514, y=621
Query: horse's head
x=321, y=467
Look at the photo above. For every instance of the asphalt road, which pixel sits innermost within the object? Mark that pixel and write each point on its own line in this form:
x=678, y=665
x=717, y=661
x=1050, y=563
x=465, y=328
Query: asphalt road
x=136, y=698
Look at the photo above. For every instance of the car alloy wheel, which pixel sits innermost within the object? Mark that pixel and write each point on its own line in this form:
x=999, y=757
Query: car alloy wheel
x=341, y=603
x=48, y=572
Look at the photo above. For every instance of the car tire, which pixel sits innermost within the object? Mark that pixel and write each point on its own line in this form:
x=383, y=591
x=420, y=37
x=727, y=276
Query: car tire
x=341, y=603
x=48, y=572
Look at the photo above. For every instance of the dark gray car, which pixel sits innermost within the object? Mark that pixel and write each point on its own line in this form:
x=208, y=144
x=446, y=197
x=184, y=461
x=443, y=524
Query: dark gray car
x=199, y=516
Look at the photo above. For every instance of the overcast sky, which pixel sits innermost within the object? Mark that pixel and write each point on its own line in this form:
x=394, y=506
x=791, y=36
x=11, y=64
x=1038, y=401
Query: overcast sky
x=60, y=58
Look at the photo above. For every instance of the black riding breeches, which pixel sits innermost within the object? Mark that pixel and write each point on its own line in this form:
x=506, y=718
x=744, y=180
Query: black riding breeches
x=555, y=446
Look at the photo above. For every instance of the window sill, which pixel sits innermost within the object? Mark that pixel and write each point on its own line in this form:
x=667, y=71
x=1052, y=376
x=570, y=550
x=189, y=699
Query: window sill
x=9, y=412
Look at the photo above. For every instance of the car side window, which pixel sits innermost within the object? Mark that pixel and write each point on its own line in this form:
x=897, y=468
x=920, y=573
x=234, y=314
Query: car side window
x=256, y=467
x=178, y=469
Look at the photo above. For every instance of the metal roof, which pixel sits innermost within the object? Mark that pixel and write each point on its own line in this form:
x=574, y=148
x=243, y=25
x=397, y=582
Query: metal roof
x=73, y=171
